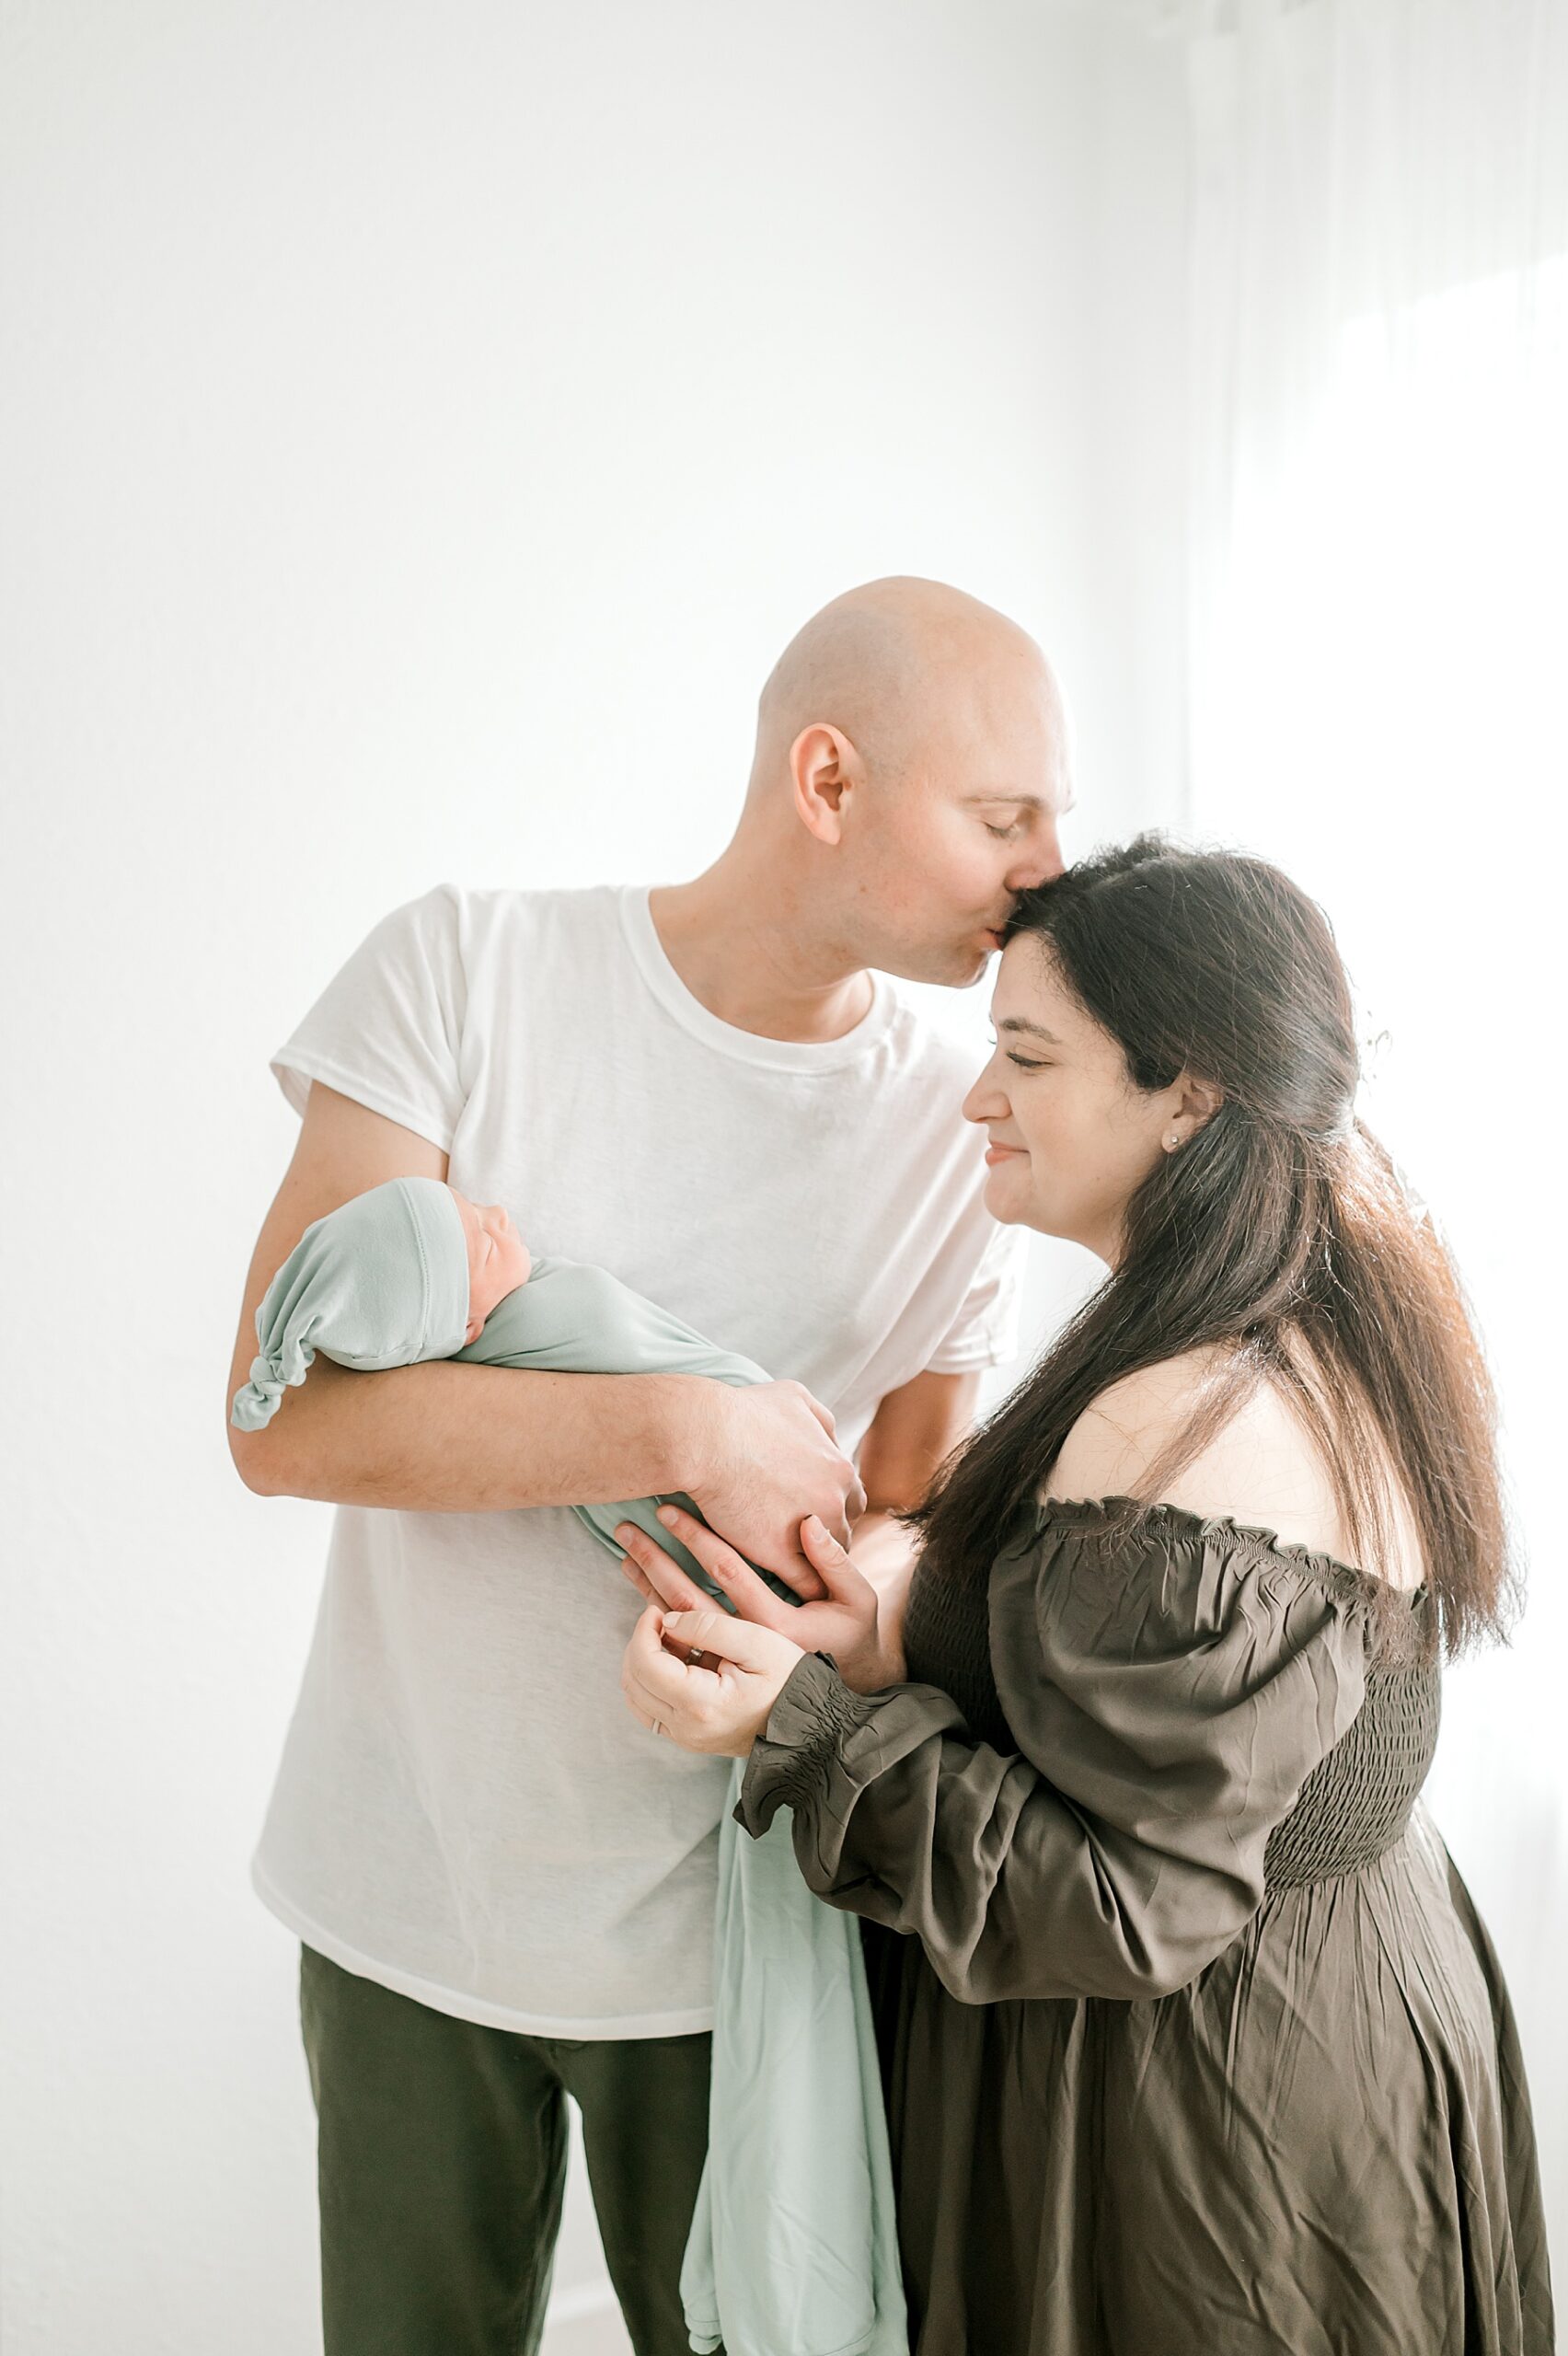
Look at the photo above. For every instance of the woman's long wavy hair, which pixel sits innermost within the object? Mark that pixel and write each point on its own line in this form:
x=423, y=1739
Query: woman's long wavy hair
x=1281, y=1233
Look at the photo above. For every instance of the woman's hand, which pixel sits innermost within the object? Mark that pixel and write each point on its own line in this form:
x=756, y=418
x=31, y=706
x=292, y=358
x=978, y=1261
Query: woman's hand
x=848, y=1624
x=720, y=1710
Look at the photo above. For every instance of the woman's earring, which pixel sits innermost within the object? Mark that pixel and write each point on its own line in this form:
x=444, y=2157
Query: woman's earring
x=1172, y=1143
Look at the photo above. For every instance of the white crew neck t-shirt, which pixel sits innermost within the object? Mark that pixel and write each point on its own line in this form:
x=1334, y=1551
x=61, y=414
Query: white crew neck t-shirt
x=465, y=1810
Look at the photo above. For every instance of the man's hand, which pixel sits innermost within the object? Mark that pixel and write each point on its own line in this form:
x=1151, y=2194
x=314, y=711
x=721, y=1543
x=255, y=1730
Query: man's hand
x=766, y=1457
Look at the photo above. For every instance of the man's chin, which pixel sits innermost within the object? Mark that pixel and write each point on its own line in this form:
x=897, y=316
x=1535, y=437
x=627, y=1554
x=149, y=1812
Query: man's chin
x=960, y=973
x=956, y=969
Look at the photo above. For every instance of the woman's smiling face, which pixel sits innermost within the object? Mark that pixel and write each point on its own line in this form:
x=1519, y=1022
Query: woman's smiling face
x=1072, y=1138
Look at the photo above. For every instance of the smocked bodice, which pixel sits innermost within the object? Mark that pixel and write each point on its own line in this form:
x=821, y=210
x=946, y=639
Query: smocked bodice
x=1355, y=1805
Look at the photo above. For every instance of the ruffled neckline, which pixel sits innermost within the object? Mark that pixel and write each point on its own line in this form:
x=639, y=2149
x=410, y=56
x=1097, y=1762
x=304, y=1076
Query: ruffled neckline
x=1096, y=1516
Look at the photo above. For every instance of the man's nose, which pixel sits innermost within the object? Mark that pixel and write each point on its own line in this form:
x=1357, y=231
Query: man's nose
x=1042, y=867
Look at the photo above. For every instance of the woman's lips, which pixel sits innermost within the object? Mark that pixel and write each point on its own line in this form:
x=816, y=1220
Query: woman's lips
x=1002, y=1152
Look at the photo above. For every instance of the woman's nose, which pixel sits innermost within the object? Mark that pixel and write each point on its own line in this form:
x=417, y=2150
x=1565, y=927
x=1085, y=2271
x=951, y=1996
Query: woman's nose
x=985, y=1100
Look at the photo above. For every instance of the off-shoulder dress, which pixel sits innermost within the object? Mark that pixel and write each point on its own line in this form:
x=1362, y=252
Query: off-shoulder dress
x=1192, y=2037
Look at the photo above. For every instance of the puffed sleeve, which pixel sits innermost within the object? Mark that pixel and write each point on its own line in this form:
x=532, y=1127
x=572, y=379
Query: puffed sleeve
x=1169, y=1687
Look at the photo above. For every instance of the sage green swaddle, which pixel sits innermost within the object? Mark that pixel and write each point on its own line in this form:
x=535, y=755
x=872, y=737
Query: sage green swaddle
x=793, y=2248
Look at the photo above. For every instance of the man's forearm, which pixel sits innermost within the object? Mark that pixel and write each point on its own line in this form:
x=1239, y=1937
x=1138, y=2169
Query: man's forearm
x=447, y=1438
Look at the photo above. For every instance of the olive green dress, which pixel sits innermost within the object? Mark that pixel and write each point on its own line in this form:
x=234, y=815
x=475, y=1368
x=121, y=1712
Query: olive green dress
x=1192, y=2037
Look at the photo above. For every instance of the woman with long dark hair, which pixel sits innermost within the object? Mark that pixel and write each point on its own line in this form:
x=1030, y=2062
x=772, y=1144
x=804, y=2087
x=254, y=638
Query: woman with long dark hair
x=1192, y=2037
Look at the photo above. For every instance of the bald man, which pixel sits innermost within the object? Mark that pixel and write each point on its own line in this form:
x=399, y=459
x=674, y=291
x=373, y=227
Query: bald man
x=503, y=1888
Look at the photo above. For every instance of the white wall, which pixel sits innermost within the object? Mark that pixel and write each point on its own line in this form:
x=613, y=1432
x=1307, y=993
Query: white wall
x=422, y=427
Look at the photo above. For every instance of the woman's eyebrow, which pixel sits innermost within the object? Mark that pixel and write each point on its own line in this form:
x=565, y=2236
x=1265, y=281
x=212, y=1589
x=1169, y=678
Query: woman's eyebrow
x=1036, y=1030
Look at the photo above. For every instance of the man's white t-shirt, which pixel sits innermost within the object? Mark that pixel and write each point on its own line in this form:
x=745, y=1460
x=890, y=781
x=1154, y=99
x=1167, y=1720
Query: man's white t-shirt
x=466, y=1811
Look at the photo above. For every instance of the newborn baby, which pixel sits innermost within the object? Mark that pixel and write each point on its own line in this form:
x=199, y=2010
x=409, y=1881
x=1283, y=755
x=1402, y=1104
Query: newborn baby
x=412, y=1270
x=379, y=1282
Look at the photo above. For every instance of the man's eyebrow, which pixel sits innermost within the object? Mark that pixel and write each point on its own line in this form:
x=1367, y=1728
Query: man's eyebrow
x=1035, y=1030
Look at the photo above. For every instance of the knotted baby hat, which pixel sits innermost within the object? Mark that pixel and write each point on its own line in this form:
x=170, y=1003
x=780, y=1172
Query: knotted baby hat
x=380, y=1281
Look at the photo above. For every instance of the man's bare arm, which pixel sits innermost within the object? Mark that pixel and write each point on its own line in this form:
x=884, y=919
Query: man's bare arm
x=443, y=1437
x=913, y=1429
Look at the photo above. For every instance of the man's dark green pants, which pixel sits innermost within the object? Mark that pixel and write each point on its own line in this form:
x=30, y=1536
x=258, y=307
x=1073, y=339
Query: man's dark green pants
x=441, y=2163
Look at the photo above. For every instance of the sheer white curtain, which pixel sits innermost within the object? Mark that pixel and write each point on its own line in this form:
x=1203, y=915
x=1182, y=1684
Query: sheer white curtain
x=1378, y=683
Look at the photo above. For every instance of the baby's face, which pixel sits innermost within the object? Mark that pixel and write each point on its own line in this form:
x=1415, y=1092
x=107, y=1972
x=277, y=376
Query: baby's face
x=498, y=1259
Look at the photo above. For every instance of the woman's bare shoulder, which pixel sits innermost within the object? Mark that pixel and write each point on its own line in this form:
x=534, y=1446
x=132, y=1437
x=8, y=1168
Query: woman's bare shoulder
x=1262, y=1466
x=1121, y=1436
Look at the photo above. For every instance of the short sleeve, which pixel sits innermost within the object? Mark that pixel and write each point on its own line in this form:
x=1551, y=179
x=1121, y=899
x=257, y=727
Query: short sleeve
x=985, y=1331
x=387, y=1029
x=1170, y=1687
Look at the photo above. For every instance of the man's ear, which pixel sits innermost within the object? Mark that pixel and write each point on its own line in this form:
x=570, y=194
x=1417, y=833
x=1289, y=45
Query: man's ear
x=824, y=767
